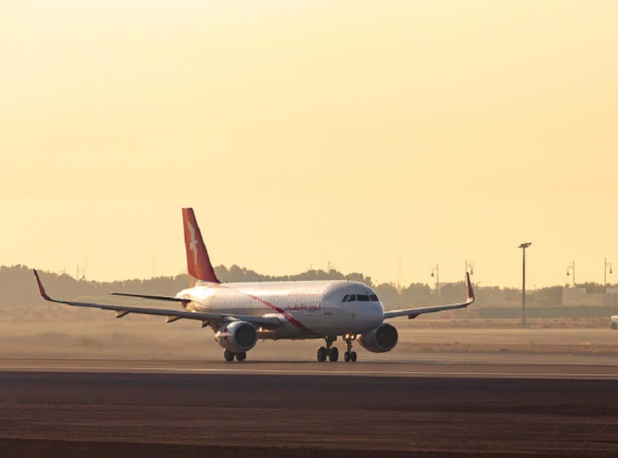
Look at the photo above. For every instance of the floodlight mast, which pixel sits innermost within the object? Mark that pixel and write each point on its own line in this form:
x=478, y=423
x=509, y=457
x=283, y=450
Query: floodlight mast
x=523, y=247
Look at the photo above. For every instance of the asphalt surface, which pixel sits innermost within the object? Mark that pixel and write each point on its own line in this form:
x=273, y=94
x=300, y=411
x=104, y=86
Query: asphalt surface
x=197, y=409
x=465, y=366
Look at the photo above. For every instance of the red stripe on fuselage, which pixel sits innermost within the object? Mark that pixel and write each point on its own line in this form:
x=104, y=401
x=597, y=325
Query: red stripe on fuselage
x=286, y=315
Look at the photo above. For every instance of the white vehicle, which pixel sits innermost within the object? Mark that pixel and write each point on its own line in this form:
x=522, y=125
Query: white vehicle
x=241, y=313
x=614, y=321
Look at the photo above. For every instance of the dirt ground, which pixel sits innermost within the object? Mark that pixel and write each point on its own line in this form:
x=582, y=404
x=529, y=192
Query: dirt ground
x=98, y=335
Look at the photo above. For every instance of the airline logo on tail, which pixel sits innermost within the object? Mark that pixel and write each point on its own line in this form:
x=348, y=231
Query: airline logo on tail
x=198, y=261
x=193, y=244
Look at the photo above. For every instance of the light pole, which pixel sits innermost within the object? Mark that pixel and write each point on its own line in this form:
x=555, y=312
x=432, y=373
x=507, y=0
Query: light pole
x=470, y=266
x=435, y=272
x=523, y=247
x=571, y=268
x=605, y=269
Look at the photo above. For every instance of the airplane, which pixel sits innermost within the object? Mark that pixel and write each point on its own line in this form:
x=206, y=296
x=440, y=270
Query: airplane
x=242, y=313
x=614, y=322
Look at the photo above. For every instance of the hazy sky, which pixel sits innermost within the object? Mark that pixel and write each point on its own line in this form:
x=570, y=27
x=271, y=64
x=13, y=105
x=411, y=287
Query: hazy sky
x=303, y=132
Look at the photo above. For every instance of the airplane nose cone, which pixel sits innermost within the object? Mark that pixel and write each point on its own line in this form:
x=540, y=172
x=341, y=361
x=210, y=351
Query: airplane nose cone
x=374, y=315
x=379, y=311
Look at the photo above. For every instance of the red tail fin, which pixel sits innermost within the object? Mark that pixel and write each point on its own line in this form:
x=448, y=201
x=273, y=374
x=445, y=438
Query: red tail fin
x=198, y=261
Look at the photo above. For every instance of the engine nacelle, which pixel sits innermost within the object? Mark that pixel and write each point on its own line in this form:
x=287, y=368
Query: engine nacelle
x=380, y=340
x=238, y=336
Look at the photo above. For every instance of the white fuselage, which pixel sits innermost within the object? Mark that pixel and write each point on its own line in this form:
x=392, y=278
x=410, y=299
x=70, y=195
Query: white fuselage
x=306, y=309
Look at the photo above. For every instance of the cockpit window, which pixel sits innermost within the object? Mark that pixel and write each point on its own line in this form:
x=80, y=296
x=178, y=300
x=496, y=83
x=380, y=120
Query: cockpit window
x=360, y=297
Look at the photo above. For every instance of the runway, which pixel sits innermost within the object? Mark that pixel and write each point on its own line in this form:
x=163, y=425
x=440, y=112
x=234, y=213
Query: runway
x=139, y=408
x=455, y=366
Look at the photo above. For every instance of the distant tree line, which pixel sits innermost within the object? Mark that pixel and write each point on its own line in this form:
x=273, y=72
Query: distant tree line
x=18, y=287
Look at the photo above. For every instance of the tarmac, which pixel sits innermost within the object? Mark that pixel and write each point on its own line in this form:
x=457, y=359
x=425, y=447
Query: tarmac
x=453, y=405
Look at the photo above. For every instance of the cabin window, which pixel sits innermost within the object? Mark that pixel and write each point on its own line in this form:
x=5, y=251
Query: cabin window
x=373, y=298
x=345, y=298
x=363, y=297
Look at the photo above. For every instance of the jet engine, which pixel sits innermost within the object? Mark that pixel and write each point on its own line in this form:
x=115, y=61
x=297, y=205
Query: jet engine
x=380, y=340
x=238, y=336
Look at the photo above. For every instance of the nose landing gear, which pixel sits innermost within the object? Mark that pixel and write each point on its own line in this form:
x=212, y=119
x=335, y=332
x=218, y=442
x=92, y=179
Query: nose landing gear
x=331, y=352
x=349, y=355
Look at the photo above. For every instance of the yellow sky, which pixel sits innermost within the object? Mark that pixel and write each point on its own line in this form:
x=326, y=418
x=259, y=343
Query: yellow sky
x=355, y=132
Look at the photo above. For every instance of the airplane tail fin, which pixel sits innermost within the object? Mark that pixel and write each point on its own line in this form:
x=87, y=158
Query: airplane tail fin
x=198, y=261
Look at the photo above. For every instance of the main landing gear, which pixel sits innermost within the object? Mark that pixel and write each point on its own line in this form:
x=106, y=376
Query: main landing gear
x=230, y=355
x=331, y=352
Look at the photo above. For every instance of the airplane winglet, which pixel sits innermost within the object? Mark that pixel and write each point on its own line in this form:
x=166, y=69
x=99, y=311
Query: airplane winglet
x=41, y=288
x=469, y=289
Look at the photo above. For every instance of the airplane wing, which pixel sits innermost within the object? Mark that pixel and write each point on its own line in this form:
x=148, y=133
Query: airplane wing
x=172, y=315
x=157, y=298
x=413, y=313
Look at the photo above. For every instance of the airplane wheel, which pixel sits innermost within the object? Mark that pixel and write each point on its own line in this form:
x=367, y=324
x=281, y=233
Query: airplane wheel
x=333, y=355
x=228, y=355
x=353, y=356
x=346, y=356
x=322, y=354
x=241, y=356
x=614, y=326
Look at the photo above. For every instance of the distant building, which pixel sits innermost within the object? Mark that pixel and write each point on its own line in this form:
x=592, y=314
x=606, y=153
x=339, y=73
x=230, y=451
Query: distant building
x=575, y=297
